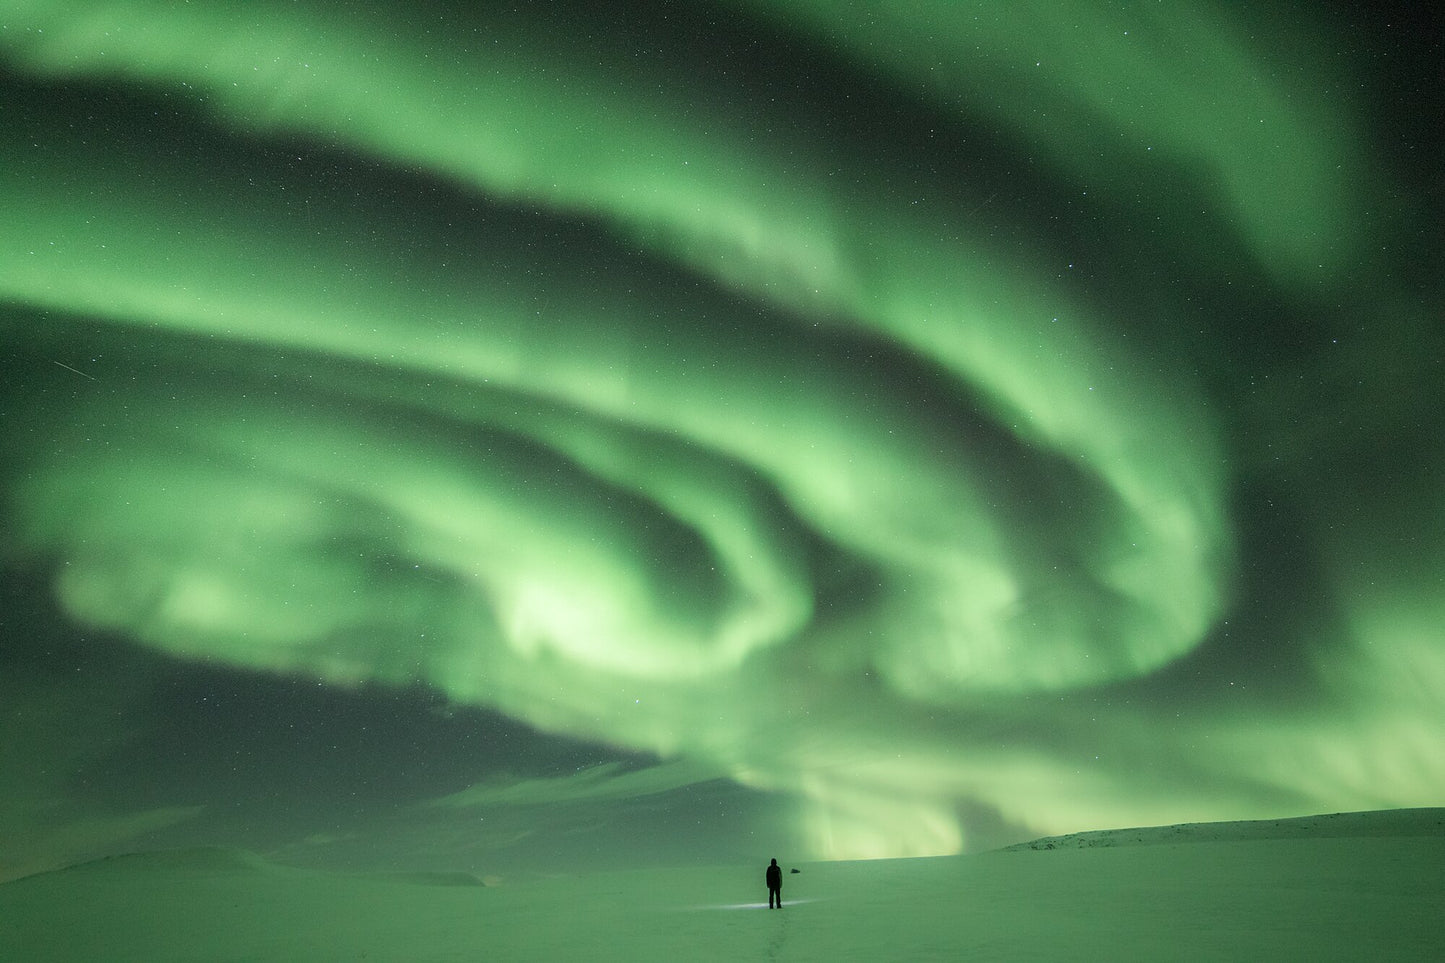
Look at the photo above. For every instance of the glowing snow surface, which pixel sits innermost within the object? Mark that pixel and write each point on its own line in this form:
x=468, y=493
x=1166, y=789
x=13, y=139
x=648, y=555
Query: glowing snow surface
x=1353, y=887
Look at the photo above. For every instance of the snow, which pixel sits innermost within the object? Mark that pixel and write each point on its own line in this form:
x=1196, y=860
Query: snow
x=1344, y=887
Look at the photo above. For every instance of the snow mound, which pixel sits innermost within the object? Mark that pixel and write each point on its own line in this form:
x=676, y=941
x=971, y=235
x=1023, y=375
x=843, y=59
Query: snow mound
x=1392, y=823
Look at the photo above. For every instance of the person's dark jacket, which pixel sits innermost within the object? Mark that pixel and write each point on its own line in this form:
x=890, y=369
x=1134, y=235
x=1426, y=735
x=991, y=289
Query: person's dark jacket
x=775, y=877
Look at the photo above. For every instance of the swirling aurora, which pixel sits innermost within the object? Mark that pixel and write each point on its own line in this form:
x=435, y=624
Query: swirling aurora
x=901, y=427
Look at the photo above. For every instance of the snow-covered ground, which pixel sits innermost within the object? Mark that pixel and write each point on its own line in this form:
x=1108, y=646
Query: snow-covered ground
x=1346, y=887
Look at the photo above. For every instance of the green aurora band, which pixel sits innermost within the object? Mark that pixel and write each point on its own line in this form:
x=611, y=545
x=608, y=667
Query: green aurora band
x=678, y=425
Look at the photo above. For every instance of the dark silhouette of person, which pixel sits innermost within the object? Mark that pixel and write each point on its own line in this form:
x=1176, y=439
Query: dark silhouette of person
x=775, y=885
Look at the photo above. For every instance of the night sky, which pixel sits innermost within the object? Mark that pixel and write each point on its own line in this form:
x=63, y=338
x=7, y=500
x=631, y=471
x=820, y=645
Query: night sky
x=588, y=434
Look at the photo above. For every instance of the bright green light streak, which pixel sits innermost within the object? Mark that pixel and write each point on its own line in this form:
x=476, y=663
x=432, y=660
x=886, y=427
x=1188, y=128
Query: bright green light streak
x=1105, y=89
x=171, y=544
x=750, y=221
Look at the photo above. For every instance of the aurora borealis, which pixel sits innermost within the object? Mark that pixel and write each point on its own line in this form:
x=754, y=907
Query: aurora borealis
x=861, y=431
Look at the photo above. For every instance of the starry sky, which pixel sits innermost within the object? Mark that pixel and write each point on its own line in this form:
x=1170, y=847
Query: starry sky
x=497, y=436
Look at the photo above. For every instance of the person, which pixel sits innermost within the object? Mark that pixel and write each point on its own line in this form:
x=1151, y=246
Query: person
x=775, y=885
